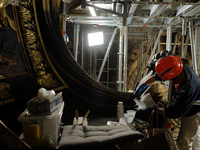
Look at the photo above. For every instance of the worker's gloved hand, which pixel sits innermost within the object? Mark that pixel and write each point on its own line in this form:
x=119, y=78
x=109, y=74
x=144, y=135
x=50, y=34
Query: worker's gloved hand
x=140, y=90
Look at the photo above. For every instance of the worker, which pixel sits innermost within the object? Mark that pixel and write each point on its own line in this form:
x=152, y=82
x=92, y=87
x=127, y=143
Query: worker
x=186, y=92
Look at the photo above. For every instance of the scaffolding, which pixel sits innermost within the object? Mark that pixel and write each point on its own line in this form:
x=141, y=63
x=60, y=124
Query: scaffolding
x=122, y=17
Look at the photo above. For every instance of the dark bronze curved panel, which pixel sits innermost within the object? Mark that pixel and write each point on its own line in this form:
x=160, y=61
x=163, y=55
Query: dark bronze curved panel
x=80, y=83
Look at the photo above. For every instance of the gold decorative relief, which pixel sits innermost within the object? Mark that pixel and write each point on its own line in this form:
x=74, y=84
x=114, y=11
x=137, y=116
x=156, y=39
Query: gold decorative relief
x=5, y=20
x=44, y=74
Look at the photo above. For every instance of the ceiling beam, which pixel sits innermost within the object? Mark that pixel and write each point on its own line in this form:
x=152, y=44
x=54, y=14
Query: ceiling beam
x=183, y=10
x=155, y=11
x=192, y=12
x=131, y=13
x=106, y=10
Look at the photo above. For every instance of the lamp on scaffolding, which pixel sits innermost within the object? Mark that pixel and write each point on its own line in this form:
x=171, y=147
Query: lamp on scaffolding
x=95, y=38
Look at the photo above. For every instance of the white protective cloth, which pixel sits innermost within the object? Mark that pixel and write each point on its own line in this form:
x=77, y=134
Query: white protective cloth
x=145, y=101
x=145, y=78
x=189, y=135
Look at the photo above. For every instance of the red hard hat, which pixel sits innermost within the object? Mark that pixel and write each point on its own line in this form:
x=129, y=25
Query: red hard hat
x=169, y=67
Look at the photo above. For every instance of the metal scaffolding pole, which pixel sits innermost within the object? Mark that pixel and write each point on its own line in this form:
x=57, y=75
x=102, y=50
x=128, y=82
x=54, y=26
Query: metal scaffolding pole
x=198, y=47
x=184, y=27
x=120, y=82
x=82, y=48
x=90, y=69
x=77, y=42
x=183, y=54
x=108, y=68
x=144, y=60
x=192, y=42
x=169, y=38
x=74, y=41
x=64, y=21
x=195, y=44
x=174, y=48
x=182, y=44
x=154, y=48
x=159, y=45
x=140, y=67
x=94, y=64
x=125, y=59
x=107, y=53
